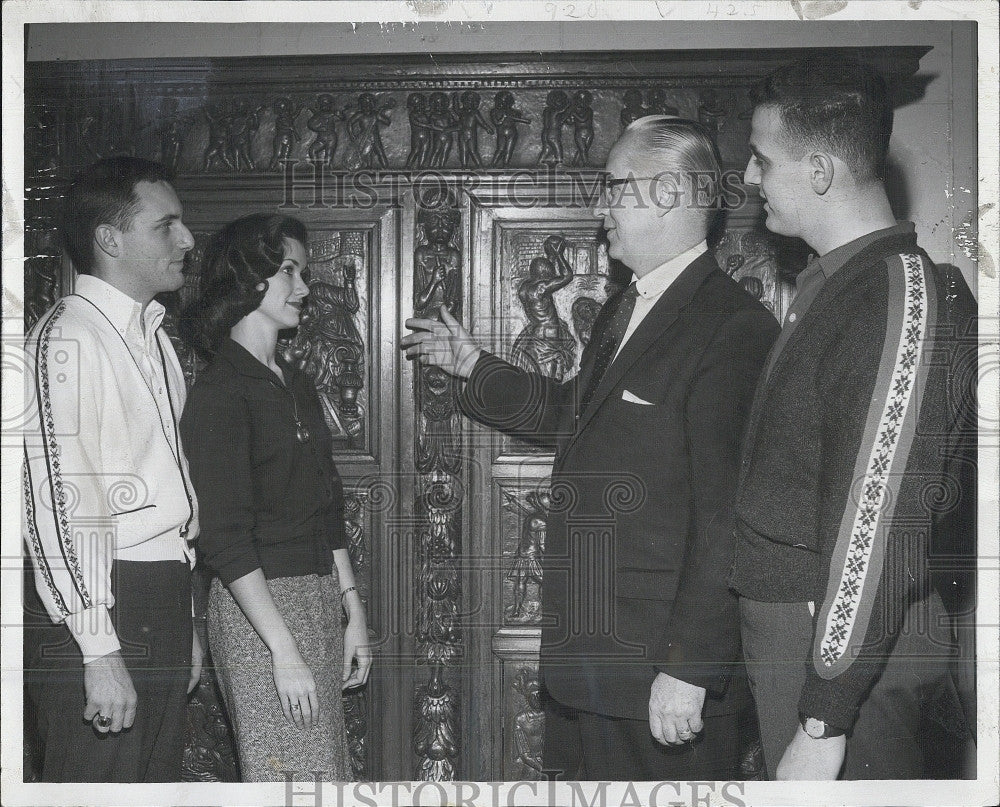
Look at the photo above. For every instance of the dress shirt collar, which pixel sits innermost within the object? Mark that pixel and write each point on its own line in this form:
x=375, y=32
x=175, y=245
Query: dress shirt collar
x=652, y=285
x=245, y=363
x=837, y=258
x=121, y=310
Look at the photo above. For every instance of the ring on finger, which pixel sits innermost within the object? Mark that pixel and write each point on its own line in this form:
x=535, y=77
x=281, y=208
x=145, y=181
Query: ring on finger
x=102, y=720
x=295, y=707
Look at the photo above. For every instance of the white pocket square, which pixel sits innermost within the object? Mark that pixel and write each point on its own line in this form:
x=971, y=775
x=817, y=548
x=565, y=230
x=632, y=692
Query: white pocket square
x=628, y=396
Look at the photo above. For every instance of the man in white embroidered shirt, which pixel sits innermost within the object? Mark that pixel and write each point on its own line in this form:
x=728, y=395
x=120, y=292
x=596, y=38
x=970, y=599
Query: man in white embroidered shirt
x=639, y=633
x=108, y=509
x=859, y=463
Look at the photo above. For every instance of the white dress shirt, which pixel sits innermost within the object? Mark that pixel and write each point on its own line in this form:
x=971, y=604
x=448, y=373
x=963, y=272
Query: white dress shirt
x=652, y=285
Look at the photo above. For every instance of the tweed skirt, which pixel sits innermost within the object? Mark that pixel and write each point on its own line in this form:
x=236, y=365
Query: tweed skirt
x=268, y=746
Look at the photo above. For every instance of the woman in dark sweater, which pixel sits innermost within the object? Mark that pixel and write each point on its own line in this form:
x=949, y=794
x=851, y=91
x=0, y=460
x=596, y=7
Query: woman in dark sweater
x=271, y=505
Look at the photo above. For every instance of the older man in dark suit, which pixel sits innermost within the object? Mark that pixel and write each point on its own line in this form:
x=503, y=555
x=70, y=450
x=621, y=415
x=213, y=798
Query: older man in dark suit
x=640, y=634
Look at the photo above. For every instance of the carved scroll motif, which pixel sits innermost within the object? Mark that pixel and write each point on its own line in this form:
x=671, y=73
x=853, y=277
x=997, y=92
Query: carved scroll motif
x=356, y=701
x=438, y=505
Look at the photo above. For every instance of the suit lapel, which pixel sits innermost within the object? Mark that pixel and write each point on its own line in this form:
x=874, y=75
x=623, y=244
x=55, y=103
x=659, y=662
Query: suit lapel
x=658, y=320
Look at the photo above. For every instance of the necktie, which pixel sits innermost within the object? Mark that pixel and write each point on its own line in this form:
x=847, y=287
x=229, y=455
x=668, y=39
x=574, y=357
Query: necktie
x=611, y=339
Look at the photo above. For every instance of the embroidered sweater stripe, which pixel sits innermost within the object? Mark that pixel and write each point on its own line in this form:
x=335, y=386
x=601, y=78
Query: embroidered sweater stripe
x=856, y=564
x=60, y=498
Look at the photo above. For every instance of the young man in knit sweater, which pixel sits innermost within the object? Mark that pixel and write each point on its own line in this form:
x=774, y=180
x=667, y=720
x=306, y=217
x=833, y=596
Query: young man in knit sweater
x=858, y=465
x=109, y=511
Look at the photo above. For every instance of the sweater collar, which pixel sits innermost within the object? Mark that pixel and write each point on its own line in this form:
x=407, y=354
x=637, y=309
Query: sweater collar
x=837, y=258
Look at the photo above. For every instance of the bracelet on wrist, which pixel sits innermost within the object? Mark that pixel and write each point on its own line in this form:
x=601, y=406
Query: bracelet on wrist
x=344, y=592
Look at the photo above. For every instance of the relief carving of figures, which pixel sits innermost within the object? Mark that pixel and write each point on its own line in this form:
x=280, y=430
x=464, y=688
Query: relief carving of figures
x=218, y=147
x=286, y=112
x=584, y=312
x=356, y=723
x=242, y=125
x=173, y=130
x=354, y=523
x=526, y=567
x=364, y=125
x=438, y=628
x=553, y=119
x=470, y=118
x=505, y=118
x=711, y=112
x=633, y=108
x=581, y=113
x=41, y=286
x=437, y=262
x=438, y=504
x=545, y=345
x=208, y=754
x=658, y=103
x=323, y=122
x=444, y=124
x=438, y=443
x=750, y=259
x=529, y=724
x=329, y=348
x=421, y=132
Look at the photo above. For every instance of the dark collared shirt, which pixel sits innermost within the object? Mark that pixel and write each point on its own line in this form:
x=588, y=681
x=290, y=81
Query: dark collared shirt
x=268, y=500
x=811, y=280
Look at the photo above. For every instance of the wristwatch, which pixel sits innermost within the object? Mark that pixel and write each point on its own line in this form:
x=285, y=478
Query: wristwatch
x=817, y=729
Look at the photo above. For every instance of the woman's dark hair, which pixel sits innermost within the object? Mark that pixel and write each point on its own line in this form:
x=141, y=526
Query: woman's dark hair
x=239, y=257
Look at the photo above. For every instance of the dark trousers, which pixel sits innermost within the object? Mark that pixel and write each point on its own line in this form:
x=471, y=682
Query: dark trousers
x=152, y=616
x=890, y=739
x=582, y=746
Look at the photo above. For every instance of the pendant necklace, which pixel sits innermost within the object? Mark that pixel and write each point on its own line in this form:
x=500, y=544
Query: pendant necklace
x=301, y=430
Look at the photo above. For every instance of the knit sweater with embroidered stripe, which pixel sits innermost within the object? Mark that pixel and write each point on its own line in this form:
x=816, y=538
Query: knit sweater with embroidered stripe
x=859, y=462
x=104, y=477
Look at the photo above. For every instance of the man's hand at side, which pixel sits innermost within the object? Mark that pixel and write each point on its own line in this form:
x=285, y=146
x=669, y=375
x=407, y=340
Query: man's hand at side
x=675, y=709
x=109, y=692
x=444, y=344
x=806, y=759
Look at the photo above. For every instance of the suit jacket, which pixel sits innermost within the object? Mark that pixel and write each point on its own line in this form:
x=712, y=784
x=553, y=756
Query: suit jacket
x=639, y=536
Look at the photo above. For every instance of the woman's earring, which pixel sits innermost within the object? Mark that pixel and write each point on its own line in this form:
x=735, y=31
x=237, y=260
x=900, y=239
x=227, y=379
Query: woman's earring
x=261, y=286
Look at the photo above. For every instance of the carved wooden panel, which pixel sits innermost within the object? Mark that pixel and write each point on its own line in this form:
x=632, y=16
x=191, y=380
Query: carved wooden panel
x=438, y=502
x=439, y=515
x=522, y=728
x=519, y=530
